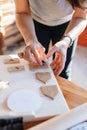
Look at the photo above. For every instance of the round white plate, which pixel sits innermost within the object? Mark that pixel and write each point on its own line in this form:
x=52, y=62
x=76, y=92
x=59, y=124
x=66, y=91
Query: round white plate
x=24, y=100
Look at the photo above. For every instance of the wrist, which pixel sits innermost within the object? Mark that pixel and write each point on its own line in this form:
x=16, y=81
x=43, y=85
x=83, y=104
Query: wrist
x=68, y=40
x=28, y=43
x=63, y=43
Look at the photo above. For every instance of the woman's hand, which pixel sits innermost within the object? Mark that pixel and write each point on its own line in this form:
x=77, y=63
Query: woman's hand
x=33, y=53
x=60, y=50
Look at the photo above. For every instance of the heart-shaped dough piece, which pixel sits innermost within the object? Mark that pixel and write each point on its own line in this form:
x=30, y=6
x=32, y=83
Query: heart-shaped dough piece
x=50, y=91
x=43, y=76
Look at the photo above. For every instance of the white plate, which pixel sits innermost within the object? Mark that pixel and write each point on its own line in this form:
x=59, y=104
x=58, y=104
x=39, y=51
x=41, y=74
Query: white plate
x=24, y=100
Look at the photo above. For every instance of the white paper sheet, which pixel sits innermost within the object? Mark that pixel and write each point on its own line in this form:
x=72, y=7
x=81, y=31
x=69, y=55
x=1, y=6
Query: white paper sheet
x=25, y=79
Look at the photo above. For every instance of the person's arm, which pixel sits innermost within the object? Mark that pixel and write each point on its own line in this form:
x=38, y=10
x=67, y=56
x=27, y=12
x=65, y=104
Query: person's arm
x=24, y=20
x=77, y=24
x=25, y=24
x=75, y=28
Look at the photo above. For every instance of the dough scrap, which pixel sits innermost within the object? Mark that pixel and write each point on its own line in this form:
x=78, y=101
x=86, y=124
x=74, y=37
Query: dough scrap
x=15, y=68
x=36, y=66
x=11, y=60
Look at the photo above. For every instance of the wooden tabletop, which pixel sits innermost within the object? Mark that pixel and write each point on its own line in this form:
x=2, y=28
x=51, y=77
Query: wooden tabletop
x=74, y=96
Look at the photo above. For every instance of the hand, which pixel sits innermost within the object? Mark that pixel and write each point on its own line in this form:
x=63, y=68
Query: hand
x=33, y=53
x=60, y=50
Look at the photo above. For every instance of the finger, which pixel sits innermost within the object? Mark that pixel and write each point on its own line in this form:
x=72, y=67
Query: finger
x=21, y=54
x=29, y=56
x=58, y=66
x=42, y=53
x=51, y=51
x=56, y=62
x=39, y=55
x=38, y=52
x=58, y=69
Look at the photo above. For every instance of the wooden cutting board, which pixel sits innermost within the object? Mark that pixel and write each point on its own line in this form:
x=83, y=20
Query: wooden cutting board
x=74, y=94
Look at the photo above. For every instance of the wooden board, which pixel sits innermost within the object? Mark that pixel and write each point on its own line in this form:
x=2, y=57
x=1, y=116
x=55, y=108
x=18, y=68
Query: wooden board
x=74, y=94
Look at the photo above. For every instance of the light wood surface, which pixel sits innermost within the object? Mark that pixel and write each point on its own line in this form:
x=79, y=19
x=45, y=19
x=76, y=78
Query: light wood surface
x=73, y=94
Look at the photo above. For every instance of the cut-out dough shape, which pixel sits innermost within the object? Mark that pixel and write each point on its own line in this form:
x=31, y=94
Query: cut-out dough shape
x=43, y=76
x=34, y=67
x=15, y=68
x=50, y=91
x=11, y=60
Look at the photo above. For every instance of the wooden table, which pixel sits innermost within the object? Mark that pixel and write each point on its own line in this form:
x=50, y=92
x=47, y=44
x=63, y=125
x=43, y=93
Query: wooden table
x=73, y=94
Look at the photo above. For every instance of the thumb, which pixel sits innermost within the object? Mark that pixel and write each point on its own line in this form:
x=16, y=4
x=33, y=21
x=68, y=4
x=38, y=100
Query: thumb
x=51, y=51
